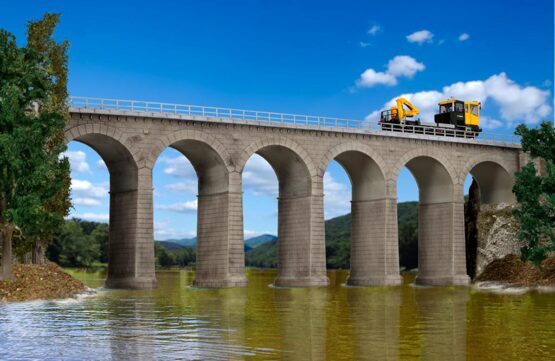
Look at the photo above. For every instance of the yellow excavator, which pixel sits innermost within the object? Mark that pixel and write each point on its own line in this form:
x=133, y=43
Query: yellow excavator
x=404, y=112
x=453, y=114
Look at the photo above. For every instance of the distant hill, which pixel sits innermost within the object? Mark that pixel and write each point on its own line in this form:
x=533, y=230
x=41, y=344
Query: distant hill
x=170, y=246
x=251, y=242
x=263, y=256
x=338, y=241
x=257, y=241
x=185, y=242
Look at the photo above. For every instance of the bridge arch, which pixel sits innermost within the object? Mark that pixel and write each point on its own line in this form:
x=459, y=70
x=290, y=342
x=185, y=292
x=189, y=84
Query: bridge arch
x=301, y=255
x=441, y=242
x=131, y=248
x=220, y=252
x=493, y=178
x=372, y=262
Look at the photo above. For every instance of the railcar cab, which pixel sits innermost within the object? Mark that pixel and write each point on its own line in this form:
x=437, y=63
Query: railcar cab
x=459, y=114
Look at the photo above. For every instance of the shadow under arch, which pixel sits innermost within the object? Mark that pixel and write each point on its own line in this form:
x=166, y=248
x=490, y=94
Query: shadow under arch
x=441, y=241
x=301, y=249
x=373, y=260
x=494, y=182
x=220, y=253
x=131, y=246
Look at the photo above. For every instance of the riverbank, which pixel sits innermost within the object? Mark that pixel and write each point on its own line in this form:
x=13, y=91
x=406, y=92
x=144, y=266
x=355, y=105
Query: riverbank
x=44, y=282
x=513, y=271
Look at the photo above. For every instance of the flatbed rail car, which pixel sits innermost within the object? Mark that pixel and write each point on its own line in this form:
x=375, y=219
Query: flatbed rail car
x=455, y=118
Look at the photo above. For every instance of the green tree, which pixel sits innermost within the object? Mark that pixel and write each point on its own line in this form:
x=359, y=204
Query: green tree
x=535, y=193
x=31, y=169
x=73, y=248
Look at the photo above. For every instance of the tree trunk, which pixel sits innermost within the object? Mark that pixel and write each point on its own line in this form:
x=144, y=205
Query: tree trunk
x=7, y=253
x=38, y=253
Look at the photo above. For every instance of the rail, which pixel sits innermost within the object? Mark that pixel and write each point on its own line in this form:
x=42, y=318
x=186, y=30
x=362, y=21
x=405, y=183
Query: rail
x=286, y=119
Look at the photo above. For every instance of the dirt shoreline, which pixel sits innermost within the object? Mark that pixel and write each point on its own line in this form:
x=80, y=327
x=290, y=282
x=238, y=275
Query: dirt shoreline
x=511, y=270
x=39, y=282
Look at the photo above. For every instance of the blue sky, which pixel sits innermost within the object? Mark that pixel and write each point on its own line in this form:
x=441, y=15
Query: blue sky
x=343, y=59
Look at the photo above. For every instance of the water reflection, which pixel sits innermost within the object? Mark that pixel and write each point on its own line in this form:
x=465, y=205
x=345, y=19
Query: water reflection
x=442, y=318
x=263, y=323
x=375, y=315
x=302, y=312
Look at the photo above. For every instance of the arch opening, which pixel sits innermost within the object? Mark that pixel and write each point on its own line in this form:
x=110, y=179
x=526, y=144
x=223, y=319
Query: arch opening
x=300, y=261
x=128, y=229
x=207, y=199
x=441, y=252
x=366, y=247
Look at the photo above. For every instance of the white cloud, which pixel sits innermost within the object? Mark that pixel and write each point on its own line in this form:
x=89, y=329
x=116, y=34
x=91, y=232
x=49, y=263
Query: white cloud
x=399, y=66
x=514, y=102
x=464, y=37
x=188, y=186
x=178, y=167
x=374, y=30
x=78, y=161
x=101, y=165
x=364, y=44
x=403, y=65
x=259, y=177
x=337, y=197
x=163, y=230
x=247, y=233
x=88, y=202
x=420, y=37
x=181, y=207
x=370, y=77
x=85, y=193
x=89, y=216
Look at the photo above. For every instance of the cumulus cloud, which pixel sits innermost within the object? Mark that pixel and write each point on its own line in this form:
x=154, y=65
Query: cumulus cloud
x=370, y=77
x=364, y=44
x=404, y=65
x=514, y=102
x=420, y=37
x=259, y=177
x=85, y=193
x=78, y=161
x=337, y=197
x=464, y=37
x=399, y=66
x=181, y=207
x=374, y=30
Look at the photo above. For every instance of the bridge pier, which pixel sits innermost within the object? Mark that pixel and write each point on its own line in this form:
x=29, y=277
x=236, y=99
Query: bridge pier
x=441, y=244
x=220, y=252
x=301, y=245
x=131, y=250
x=374, y=245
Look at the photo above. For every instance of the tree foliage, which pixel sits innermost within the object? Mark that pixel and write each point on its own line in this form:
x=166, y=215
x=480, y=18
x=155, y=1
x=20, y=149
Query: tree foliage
x=535, y=193
x=32, y=172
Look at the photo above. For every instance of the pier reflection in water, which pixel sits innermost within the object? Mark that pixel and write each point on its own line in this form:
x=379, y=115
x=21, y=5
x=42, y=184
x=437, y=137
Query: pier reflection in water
x=261, y=322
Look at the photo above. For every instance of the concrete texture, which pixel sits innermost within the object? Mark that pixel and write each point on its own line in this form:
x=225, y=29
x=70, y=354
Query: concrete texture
x=131, y=143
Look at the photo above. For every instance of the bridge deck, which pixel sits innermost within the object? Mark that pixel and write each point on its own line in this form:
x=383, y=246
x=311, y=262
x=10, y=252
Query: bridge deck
x=272, y=119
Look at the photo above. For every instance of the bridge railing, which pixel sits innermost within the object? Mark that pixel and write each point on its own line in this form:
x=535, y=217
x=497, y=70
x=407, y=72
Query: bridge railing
x=283, y=118
x=213, y=112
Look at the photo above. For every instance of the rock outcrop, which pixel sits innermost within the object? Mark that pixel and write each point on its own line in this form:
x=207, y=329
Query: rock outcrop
x=497, y=234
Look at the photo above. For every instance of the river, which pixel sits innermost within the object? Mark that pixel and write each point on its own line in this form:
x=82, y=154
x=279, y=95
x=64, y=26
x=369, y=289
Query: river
x=260, y=322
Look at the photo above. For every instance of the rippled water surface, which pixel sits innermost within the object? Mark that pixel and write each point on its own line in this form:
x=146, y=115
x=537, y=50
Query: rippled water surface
x=176, y=321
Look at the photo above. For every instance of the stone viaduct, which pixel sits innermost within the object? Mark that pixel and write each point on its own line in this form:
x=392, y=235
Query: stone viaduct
x=129, y=136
